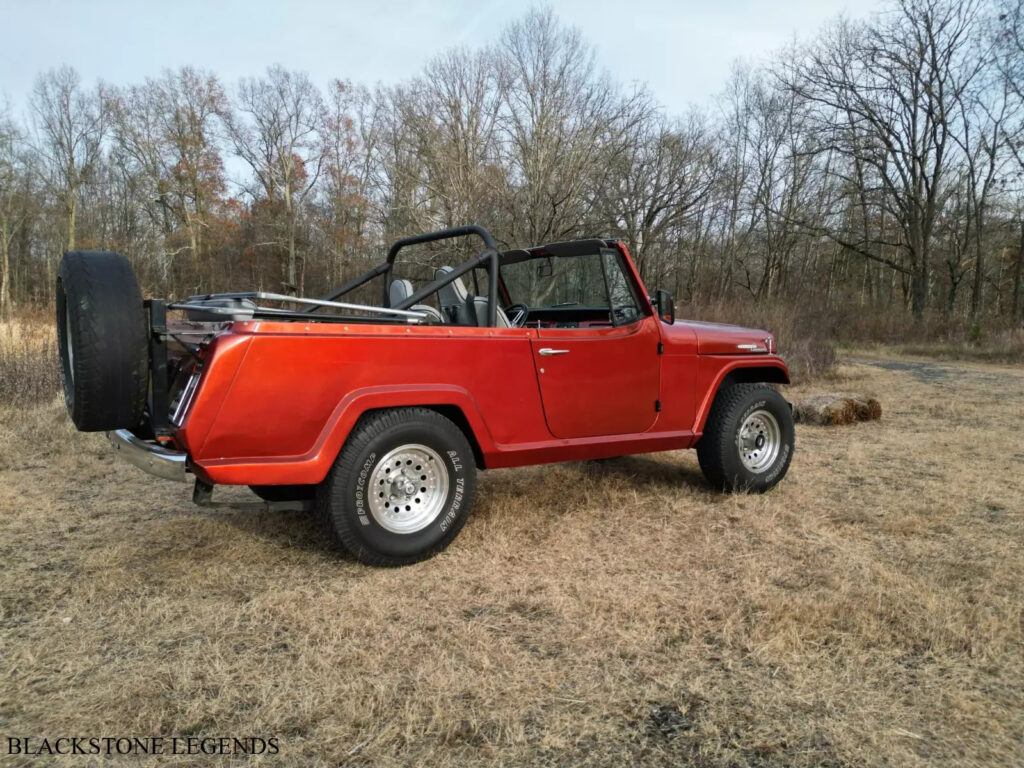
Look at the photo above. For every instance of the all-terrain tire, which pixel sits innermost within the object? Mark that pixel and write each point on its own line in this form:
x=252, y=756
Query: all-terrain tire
x=389, y=519
x=748, y=439
x=102, y=338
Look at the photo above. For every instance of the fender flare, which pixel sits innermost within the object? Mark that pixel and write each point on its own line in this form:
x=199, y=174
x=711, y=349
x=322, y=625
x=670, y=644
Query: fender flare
x=764, y=369
x=356, y=403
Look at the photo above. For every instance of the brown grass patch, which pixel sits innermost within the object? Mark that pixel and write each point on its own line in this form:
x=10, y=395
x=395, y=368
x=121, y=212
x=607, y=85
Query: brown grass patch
x=28, y=361
x=1004, y=345
x=866, y=612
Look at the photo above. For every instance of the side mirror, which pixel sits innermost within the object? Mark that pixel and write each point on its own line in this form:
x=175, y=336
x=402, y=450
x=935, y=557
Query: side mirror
x=666, y=306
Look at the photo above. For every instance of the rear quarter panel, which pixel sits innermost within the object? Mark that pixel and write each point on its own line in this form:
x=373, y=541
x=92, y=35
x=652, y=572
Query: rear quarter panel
x=298, y=389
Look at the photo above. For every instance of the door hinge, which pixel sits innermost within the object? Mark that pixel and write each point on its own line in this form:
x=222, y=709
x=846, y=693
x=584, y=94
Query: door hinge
x=661, y=347
x=657, y=406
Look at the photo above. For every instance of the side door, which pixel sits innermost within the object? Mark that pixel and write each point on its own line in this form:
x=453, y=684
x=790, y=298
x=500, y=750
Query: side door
x=601, y=380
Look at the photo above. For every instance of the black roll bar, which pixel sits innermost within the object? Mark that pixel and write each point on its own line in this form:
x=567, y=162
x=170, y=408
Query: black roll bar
x=429, y=237
x=351, y=285
x=442, y=234
x=488, y=256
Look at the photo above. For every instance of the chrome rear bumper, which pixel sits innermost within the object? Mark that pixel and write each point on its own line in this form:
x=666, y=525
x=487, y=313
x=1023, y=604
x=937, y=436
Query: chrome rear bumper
x=151, y=457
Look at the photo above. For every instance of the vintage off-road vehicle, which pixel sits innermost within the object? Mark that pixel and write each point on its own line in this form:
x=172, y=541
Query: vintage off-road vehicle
x=380, y=416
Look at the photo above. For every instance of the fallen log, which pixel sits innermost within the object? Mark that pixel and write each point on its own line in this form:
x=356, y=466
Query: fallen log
x=836, y=409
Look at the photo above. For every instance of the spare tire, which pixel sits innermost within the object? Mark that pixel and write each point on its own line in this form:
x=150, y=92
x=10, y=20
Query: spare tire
x=102, y=337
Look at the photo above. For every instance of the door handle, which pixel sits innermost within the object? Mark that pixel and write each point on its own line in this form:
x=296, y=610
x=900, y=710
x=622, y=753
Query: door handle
x=548, y=351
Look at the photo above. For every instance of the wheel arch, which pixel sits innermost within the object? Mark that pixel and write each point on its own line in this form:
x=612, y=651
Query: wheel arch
x=740, y=372
x=454, y=403
x=450, y=411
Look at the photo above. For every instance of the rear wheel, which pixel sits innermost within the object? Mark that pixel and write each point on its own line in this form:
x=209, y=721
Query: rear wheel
x=748, y=439
x=401, y=488
x=103, y=341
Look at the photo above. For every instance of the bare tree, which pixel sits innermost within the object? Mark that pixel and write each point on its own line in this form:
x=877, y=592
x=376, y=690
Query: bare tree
x=559, y=114
x=986, y=110
x=70, y=125
x=893, y=86
x=664, y=171
x=277, y=127
x=14, y=181
x=167, y=128
x=453, y=112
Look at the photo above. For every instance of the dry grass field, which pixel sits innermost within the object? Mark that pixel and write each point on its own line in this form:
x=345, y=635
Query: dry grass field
x=869, y=611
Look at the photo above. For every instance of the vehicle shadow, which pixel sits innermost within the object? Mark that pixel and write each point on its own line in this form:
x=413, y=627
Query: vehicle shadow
x=647, y=471
x=299, y=529
x=304, y=531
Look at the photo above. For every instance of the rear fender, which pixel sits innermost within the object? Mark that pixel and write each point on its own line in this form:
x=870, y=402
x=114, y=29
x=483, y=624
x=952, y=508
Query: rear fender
x=313, y=467
x=454, y=403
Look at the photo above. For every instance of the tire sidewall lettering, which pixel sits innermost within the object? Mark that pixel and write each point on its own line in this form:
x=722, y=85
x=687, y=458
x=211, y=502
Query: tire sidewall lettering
x=360, y=489
x=458, y=491
x=455, y=460
x=448, y=520
x=781, y=463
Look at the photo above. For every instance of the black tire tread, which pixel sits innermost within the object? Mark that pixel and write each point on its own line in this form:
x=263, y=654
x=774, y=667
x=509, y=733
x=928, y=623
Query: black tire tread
x=109, y=332
x=369, y=427
x=716, y=443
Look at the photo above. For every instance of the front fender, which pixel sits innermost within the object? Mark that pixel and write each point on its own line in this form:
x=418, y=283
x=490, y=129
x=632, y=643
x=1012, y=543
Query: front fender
x=716, y=371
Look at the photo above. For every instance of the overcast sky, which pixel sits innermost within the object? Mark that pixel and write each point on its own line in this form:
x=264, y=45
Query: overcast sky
x=682, y=49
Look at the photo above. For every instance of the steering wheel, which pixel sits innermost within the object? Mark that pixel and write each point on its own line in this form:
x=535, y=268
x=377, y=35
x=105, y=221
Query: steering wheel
x=521, y=311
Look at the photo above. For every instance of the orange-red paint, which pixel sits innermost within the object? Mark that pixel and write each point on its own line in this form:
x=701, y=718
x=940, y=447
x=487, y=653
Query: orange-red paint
x=278, y=399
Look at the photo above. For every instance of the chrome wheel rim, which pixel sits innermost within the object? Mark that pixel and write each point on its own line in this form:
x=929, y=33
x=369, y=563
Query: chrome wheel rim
x=408, y=488
x=759, y=440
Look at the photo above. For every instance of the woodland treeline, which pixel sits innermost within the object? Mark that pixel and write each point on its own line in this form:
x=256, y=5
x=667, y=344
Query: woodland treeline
x=878, y=168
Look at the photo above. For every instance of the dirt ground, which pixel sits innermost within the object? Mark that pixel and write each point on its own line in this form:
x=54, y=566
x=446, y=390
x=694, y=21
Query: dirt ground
x=869, y=611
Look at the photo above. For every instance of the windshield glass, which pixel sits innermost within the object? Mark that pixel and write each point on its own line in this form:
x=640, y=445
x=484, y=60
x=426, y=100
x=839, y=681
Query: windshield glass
x=549, y=282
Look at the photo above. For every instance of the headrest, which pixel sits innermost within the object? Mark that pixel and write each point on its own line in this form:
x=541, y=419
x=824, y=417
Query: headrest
x=399, y=291
x=460, y=289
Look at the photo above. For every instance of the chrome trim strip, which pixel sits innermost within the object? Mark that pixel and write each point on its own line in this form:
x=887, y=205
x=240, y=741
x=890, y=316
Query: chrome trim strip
x=185, y=400
x=198, y=302
x=150, y=457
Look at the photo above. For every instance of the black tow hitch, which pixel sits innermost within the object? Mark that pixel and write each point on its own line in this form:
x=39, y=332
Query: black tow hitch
x=202, y=493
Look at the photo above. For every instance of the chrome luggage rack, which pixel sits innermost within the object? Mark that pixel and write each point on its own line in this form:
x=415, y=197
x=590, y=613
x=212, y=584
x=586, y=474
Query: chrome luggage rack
x=244, y=306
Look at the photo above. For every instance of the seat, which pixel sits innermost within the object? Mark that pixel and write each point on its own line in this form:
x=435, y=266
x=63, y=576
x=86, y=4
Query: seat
x=460, y=307
x=452, y=298
x=400, y=290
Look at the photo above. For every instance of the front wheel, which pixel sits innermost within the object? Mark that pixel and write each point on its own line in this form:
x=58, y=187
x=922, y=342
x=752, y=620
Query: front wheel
x=748, y=439
x=401, y=488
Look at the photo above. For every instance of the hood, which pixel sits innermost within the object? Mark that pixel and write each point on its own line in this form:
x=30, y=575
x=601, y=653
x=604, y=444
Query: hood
x=720, y=339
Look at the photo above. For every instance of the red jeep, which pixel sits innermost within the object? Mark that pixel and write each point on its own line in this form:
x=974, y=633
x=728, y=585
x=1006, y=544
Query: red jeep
x=381, y=415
